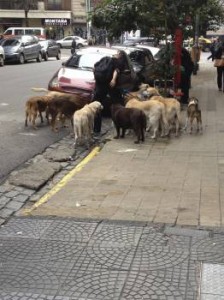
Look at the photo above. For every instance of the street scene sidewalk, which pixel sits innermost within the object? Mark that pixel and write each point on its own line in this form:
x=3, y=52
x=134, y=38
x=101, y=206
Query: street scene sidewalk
x=129, y=221
x=176, y=180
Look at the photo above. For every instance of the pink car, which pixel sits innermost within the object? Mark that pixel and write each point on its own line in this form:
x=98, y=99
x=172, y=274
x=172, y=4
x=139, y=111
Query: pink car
x=76, y=74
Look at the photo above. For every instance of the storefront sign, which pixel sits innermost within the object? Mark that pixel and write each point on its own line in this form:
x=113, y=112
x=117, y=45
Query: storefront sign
x=56, y=22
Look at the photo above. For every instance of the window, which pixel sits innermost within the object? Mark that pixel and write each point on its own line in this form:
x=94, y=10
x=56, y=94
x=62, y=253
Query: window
x=19, y=31
x=54, y=5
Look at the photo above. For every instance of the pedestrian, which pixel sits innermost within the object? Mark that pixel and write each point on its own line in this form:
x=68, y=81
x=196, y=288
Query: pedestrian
x=213, y=48
x=73, y=46
x=219, y=64
x=187, y=67
x=108, y=86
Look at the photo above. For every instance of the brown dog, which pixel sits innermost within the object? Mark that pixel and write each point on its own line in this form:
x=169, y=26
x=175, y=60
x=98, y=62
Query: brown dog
x=64, y=105
x=193, y=112
x=128, y=118
x=34, y=108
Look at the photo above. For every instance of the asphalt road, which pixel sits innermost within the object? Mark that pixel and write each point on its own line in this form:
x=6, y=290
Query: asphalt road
x=17, y=142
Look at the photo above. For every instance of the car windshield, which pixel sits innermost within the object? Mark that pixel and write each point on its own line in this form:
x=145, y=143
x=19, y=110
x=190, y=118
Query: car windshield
x=11, y=42
x=84, y=61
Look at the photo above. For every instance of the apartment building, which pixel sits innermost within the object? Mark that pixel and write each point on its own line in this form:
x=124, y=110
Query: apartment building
x=58, y=17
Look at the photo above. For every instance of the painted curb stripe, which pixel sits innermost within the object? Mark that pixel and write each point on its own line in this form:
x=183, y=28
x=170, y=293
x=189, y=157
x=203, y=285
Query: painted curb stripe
x=63, y=182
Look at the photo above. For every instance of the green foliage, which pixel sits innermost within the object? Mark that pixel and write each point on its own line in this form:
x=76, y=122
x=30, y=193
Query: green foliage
x=156, y=17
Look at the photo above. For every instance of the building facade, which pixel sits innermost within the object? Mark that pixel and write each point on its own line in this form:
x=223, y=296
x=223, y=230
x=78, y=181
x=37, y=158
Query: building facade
x=58, y=17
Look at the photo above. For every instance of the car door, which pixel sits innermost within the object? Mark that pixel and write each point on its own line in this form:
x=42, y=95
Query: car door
x=53, y=48
x=67, y=42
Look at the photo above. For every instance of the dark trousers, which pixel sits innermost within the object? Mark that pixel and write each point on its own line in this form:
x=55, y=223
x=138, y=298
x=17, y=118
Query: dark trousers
x=101, y=93
x=185, y=87
x=220, y=78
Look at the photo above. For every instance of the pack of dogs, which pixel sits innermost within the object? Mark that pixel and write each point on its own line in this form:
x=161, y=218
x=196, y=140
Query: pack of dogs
x=143, y=111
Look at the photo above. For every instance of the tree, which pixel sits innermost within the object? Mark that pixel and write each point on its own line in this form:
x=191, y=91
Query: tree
x=157, y=17
x=26, y=5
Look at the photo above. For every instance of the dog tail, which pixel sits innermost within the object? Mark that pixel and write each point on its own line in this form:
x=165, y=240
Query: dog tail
x=39, y=89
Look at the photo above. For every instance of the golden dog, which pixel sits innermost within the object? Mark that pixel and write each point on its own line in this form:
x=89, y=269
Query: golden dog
x=154, y=111
x=35, y=106
x=83, y=121
x=172, y=110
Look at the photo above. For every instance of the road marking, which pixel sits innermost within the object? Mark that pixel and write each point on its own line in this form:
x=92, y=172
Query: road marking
x=63, y=182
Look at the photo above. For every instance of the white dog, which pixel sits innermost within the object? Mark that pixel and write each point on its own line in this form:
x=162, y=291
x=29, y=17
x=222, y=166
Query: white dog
x=83, y=120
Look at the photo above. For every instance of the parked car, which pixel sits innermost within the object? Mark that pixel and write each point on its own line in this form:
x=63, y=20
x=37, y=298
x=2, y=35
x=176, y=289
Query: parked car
x=2, y=56
x=76, y=74
x=66, y=42
x=22, y=48
x=139, y=40
x=49, y=48
x=152, y=49
x=141, y=59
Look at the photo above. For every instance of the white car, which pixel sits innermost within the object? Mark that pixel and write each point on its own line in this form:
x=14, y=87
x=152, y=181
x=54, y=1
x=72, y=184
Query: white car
x=2, y=56
x=154, y=50
x=66, y=42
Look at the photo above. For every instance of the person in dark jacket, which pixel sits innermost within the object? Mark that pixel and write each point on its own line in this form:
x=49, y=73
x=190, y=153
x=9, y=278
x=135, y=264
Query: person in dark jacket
x=102, y=89
x=73, y=47
x=219, y=53
x=187, y=67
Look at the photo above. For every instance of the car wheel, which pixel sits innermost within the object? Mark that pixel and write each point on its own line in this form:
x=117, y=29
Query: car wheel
x=46, y=56
x=39, y=57
x=1, y=61
x=58, y=55
x=79, y=46
x=21, y=59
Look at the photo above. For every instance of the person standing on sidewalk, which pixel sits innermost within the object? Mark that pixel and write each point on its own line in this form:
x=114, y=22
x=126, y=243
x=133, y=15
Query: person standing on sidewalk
x=219, y=55
x=187, y=67
x=73, y=47
x=108, y=85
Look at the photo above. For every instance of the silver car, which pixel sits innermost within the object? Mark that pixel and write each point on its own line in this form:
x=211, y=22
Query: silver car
x=22, y=48
x=66, y=42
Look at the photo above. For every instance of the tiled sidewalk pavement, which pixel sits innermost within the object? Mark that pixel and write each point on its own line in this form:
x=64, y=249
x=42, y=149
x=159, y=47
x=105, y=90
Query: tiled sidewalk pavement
x=13, y=197
x=70, y=259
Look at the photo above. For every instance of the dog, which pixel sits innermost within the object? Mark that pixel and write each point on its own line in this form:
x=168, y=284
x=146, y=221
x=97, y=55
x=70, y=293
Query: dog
x=83, y=121
x=172, y=110
x=193, y=112
x=64, y=105
x=34, y=107
x=128, y=118
x=154, y=111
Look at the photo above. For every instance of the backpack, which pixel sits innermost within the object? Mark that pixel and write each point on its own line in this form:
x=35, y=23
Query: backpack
x=103, y=70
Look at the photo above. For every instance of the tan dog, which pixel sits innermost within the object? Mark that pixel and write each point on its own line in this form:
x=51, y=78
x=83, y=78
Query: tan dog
x=193, y=112
x=154, y=111
x=173, y=111
x=83, y=121
x=35, y=106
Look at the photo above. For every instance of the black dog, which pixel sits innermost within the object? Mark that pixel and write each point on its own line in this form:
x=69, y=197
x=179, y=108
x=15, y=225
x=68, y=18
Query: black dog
x=128, y=118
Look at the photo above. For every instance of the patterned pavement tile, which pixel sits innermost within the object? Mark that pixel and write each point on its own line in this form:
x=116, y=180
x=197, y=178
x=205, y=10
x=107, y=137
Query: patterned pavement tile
x=97, y=285
x=114, y=235
x=7, y=295
x=68, y=230
x=140, y=285
x=208, y=249
x=34, y=279
x=25, y=228
x=37, y=251
x=155, y=258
